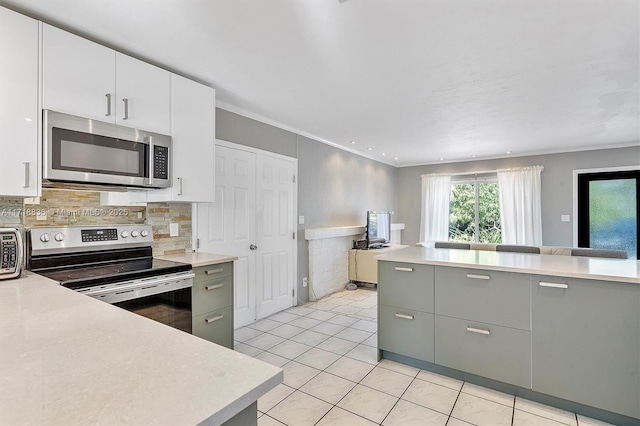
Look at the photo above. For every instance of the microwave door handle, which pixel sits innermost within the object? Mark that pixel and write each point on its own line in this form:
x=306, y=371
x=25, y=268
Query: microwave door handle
x=151, y=168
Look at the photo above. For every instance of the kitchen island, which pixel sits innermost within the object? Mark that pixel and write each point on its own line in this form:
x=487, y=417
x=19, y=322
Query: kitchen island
x=66, y=358
x=561, y=330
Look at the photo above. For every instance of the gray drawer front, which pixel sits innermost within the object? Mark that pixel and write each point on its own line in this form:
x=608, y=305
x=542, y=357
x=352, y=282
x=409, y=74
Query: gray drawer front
x=504, y=354
x=406, y=285
x=212, y=294
x=406, y=332
x=494, y=297
x=209, y=272
x=216, y=327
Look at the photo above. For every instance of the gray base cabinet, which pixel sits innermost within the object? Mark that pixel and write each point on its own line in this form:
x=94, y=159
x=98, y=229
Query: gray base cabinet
x=574, y=340
x=212, y=303
x=406, y=309
x=586, y=342
x=406, y=332
x=488, y=350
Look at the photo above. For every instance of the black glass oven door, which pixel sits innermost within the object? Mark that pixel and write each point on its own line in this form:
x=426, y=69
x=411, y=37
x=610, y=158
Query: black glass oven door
x=172, y=308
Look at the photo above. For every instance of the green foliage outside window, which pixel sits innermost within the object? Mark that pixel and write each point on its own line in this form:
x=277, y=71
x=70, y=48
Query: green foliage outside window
x=462, y=223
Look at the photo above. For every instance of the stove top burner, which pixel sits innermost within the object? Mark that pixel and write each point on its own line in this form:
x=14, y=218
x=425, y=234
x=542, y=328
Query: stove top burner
x=91, y=275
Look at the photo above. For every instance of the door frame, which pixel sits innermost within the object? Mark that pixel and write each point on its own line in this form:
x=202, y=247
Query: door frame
x=576, y=174
x=294, y=241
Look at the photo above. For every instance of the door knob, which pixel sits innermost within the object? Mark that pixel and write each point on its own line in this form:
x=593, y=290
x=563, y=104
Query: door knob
x=253, y=247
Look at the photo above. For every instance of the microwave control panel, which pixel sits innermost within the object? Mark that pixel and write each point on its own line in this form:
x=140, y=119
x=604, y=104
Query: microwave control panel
x=160, y=162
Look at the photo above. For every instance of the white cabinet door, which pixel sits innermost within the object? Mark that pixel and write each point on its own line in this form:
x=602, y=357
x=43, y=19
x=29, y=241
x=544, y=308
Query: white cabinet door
x=143, y=95
x=253, y=218
x=19, y=38
x=193, y=129
x=228, y=225
x=78, y=76
x=274, y=235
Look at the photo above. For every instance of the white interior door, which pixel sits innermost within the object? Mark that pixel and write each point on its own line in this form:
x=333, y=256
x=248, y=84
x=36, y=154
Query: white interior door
x=275, y=237
x=253, y=218
x=228, y=225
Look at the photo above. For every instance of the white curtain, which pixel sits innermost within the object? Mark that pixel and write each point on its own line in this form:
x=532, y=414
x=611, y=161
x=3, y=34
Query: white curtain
x=434, y=223
x=520, y=205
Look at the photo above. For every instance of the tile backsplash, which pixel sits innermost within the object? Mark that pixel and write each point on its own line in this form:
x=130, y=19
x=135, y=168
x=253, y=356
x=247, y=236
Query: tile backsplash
x=63, y=207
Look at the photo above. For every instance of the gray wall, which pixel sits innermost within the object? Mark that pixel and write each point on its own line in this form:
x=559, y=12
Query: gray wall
x=557, y=186
x=235, y=128
x=335, y=187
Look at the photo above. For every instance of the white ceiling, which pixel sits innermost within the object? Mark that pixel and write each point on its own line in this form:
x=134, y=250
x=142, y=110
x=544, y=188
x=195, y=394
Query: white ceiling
x=422, y=80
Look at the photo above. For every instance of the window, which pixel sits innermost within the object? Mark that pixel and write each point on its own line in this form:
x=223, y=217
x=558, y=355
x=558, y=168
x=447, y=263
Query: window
x=474, y=211
x=608, y=205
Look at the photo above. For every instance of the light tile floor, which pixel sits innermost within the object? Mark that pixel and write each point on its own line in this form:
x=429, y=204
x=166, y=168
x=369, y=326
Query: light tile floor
x=331, y=376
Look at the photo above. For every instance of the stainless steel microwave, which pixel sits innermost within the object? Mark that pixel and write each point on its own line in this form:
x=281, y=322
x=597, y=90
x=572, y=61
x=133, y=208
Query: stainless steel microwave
x=89, y=151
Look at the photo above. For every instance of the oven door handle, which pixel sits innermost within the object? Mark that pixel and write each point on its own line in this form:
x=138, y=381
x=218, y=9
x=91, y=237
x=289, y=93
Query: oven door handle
x=137, y=285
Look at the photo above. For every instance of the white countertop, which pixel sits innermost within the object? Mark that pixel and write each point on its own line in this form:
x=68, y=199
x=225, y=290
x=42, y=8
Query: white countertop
x=198, y=258
x=544, y=264
x=66, y=358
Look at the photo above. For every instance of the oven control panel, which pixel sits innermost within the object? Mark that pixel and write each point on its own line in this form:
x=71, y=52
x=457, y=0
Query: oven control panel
x=80, y=238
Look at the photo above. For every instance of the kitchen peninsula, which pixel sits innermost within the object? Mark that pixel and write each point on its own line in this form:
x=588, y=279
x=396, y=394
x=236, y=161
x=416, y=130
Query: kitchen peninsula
x=70, y=359
x=557, y=329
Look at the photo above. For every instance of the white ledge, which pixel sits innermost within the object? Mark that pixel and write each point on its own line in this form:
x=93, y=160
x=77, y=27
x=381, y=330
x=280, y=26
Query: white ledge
x=337, y=231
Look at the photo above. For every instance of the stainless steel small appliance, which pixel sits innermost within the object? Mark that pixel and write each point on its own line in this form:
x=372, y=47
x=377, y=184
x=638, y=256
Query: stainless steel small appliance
x=115, y=264
x=10, y=253
x=93, y=152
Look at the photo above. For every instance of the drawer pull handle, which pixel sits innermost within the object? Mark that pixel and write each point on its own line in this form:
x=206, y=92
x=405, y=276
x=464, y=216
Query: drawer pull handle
x=403, y=316
x=402, y=269
x=213, y=287
x=214, y=271
x=479, y=330
x=552, y=285
x=478, y=277
x=214, y=319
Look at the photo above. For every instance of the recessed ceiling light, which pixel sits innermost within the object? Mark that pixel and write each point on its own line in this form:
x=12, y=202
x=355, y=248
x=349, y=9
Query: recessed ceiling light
x=353, y=142
x=473, y=156
x=369, y=149
x=441, y=158
x=395, y=158
x=384, y=153
x=508, y=152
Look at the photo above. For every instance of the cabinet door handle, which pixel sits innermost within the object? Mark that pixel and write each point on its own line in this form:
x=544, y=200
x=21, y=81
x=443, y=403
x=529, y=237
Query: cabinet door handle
x=126, y=108
x=26, y=174
x=552, y=285
x=479, y=330
x=478, y=277
x=214, y=319
x=403, y=269
x=179, y=186
x=214, y=271
x=151, y=158
x=213, y=287
x=404, y=316
x=108, y=95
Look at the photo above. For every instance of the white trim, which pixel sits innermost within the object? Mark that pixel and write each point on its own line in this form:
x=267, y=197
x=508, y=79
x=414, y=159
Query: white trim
x=248, y=114
x=247, y=148
x=524, y=154
x=333, y=232
x=257, y=117
x=575, y=190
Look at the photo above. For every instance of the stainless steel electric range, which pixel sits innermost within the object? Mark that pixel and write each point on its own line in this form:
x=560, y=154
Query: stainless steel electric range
x=114, y=264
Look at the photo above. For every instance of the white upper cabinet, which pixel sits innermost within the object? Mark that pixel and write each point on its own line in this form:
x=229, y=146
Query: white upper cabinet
x=78, y=76
x=19, y=121
x=83, y=78
x=143, y=95
x=193, y=129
